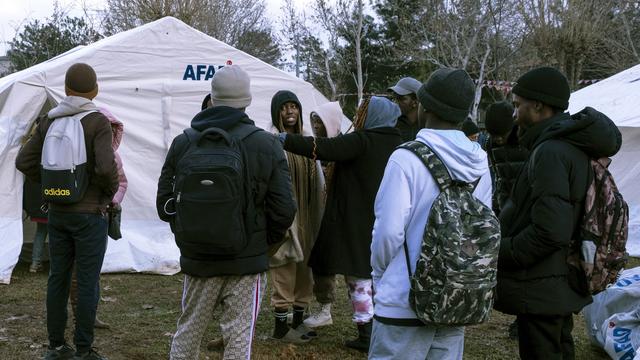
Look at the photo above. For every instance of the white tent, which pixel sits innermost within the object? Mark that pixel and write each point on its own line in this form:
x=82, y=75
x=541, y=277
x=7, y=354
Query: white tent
x=618, y=97
x=153, y=78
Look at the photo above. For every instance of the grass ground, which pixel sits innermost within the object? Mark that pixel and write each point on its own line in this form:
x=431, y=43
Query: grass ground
x=142, y=310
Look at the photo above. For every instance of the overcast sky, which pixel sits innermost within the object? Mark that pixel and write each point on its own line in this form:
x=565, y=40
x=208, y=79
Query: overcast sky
x=13, y=13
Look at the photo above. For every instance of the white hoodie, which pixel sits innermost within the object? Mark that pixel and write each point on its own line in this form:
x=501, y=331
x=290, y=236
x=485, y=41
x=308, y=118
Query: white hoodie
x=402, y=207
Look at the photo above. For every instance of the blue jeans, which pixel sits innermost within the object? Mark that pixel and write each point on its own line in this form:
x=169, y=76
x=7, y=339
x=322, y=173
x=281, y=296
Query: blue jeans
x=38, y=243
x=80, y=239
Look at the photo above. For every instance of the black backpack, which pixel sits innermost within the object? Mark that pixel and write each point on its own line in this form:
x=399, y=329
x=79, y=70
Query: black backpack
x=213, y=202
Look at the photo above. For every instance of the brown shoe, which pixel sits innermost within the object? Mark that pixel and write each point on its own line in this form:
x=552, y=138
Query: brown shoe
x=215, y=345
x=99, y=324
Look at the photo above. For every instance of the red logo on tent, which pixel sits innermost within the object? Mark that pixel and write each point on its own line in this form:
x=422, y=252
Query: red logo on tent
x=229, y=62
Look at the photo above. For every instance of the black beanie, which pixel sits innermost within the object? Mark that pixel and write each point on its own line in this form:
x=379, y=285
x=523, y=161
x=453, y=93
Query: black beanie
x=544, y=84
x=469, y=128
x=448, y=93
x=499, y=118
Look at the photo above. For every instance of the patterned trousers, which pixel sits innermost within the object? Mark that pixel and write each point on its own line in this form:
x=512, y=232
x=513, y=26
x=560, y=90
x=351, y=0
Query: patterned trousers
x=360, y=294
x=239, y=297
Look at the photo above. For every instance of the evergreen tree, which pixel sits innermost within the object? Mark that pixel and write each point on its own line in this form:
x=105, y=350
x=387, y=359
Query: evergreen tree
x=39, y=41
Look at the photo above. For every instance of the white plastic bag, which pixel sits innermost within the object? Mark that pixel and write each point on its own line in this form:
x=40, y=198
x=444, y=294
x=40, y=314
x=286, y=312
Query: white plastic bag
x=613, y=319
x=622, y=335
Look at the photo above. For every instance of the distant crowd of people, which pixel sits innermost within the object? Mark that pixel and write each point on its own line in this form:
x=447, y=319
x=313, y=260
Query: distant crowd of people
x=431, y=222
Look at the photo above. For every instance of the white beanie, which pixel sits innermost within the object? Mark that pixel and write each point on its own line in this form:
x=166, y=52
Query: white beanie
x=230, y=86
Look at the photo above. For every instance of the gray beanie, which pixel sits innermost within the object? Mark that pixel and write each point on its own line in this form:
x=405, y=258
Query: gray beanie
x=449, y=94
x=230, y=86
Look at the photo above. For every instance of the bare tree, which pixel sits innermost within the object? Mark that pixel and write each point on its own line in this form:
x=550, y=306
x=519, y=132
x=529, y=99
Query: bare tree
x=629, y=6
x=230, y=21
x=564, y=33
x=293, y=30
x=459, y=34
x=325, y=17
x=358, y=34
x=616, y=49
x=344, y=21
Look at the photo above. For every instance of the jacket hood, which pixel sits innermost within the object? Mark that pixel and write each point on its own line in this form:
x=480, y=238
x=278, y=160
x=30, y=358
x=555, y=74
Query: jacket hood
x=223, y=117
x=589, y=130
x=71, y=105
x=465, y=159
x=331, y=115
x=117, y=128
x=381, y=112
x=281, y=97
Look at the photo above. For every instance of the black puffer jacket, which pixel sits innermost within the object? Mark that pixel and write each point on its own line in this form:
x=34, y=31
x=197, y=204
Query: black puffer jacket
x=270, y=184
x=505, y=163
x=544, y=213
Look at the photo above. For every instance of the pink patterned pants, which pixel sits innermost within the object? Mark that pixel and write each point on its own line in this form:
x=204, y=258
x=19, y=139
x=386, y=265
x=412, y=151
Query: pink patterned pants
x=360, y=293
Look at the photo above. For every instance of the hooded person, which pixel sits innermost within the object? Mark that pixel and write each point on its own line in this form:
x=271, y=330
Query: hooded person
x=78, y=230
x=238, y=278
x=325, y=122
x=343, y=244
x=402, y=207
x=292, y=278
x=330, y=116
x=543, y=214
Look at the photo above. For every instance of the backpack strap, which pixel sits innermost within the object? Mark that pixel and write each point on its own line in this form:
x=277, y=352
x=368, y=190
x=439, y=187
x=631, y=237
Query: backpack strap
x=436, y=168
x=406, y=256
x=431, y=160
x=244, y=131
x=192, y=135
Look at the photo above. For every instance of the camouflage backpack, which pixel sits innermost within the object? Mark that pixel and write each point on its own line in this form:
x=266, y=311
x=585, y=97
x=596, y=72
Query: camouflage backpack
x=599, y=255
x=455, y=275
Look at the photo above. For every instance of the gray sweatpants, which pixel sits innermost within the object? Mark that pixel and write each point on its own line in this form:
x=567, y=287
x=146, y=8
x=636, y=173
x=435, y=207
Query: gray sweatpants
x=239, y=297
x=416, y=342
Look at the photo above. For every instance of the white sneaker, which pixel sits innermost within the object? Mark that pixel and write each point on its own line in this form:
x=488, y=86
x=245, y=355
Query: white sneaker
x=321, y=318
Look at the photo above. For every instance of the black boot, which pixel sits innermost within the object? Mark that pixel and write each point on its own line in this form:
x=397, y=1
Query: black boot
x=513, y=330
x=363, y=340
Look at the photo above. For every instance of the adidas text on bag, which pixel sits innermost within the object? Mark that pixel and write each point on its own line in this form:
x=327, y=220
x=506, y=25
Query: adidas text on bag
x=601, y=252
x=455, y=275
x=212, y=200
x=64, y=161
